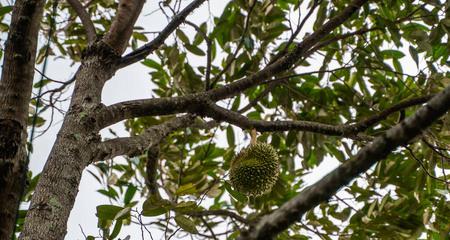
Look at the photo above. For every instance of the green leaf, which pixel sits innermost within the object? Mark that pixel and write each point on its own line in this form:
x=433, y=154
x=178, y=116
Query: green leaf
x=230, y=136
x=414, y=55
x=122, y=214
x=42, y=83
x=182, y=36
x=116, y=229
x=235, y=194
x=152, y=64
x=419, y=35
x=185, y=206
x=108, y=212
x=387, y=54
x=195, y=50
x=6, y=9
x=186, y=224
x=140, y=37
x=186, y=189
x=129, y=194
x=154, y=206
x=397, y=65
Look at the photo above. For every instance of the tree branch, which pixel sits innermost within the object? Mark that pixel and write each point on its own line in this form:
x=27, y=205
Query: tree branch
x=148, y=48
x=151, y=170
x=213, y=235
x=210, y=109
x=123, y=110
x=292, y=211
x=132, y=146
x=85, y=19
x=221, y=114
x=218, y=113
x=122, y=26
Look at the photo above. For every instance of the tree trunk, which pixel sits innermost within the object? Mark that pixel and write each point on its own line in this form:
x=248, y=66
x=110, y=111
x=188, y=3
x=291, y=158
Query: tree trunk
x=73, y=150
x=15, y=91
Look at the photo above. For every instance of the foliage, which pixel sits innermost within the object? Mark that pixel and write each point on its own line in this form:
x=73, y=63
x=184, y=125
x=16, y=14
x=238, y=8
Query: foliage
x=388, y=52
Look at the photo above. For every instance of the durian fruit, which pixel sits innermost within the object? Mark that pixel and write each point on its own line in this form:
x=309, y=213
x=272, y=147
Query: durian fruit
x=255, y=169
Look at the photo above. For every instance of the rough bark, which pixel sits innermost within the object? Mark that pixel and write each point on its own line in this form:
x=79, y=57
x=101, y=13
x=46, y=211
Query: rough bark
x=122, y=27
x=133, y=146
x=15, y=91
x=73, y=150
x=399, y=135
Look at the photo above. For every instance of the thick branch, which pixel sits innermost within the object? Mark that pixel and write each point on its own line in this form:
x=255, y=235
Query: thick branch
x=85, y=19
x=148, y=48
x=132, y=146
x=348, y=130
x=122, y=27
x=292, y=211
x=221, y=114
x=209, y=109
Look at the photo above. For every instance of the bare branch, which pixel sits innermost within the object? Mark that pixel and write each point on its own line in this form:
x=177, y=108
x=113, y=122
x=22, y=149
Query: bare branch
x=122, y=26
x=132, y=146
x=85, y=19
x=346, y=130
x=292, y=211
x=221, y=114
x=148, y=48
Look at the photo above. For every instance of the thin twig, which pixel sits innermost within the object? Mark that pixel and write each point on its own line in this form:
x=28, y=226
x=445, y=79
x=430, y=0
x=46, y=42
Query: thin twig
x=236, y=51
x=422, y=165
x=148, y=48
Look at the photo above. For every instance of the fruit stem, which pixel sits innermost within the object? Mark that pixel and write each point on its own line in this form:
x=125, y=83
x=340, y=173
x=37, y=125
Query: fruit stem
x=253, y=136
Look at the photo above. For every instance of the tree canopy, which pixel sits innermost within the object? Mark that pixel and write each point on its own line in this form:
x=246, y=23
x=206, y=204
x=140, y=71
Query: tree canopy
x=359, y=82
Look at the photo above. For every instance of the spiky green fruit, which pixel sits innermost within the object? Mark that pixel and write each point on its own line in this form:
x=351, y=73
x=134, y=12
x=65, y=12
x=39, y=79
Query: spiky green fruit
x=255, y=169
